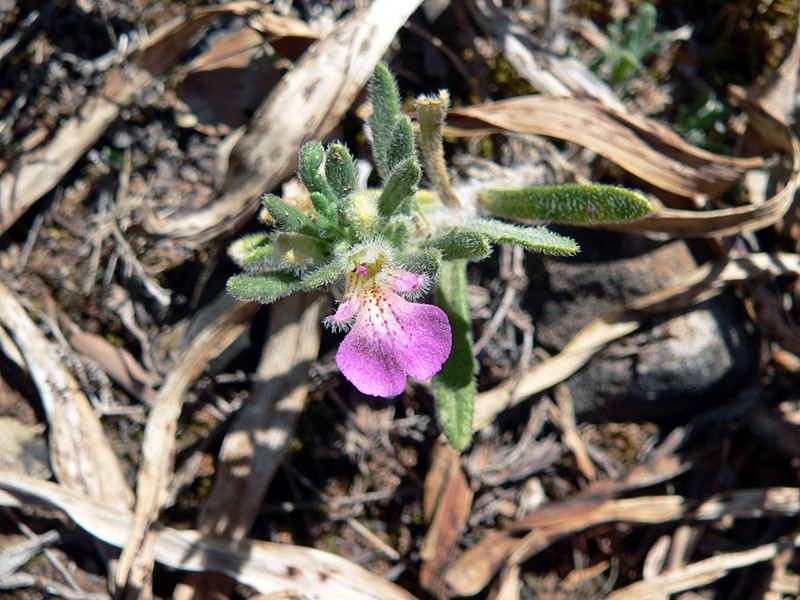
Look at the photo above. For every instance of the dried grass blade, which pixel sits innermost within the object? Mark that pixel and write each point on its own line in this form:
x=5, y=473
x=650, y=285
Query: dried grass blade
x=706, y=282
x=307, y=103
x=264, y=566
x=548, y=72
x=37, y=173
x=473, y=570
x=641, y=146
x=701, y=573
x=454, y=501
x=80, y=453
x=136, y=563
x=730, y=221
x=254, y=445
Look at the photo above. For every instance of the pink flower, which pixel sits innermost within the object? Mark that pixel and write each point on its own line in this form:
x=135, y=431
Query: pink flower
x=391, y=336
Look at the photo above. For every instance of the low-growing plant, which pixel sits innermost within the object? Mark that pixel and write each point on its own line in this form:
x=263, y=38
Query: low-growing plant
x=631, y=42
x=392, y=245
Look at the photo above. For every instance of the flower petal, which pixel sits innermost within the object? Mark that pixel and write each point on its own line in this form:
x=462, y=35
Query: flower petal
x=404, y=281
x=369, y=363
x=425, y=341
x=344, y=312
x=393, y=337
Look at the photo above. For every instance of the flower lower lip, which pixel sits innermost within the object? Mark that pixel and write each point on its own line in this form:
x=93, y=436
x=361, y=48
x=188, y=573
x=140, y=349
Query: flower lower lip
x=391, y=337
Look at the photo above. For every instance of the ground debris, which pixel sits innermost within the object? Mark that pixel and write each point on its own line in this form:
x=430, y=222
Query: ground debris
x=202, y=446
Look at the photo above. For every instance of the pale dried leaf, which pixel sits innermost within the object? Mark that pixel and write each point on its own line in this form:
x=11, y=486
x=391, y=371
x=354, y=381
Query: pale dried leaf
x=35, y=174
x=254, y=445
x=436, y=480
x=640, y=145
x=510, y=584
x=307, y=103
x=275, y=25
x=80, y=454
x=268, y=568
x=158, y=446
x=731, y=221
x=546, y=525
x=656, y=557
x=564, y=415
x=226, y=83
x=700, y=573
x=473, y=570
x=706, y=282
x=449, y=520
x=116, y=362
x=578, y=577
x=548, y=72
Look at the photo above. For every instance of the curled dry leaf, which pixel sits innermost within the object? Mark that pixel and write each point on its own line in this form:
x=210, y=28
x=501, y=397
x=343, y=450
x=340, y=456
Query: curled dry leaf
x=259, y=433
x=640, y=145
x=706, y=282
x=306, y=104
x=35, y=174
x=225, y=84
x=651, y=151
x=267, y=567
x=80, y=454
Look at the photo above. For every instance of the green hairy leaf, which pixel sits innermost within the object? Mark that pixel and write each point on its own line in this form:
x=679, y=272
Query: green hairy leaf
x=401, y=145
x=324, y=275
x=459, y=244
x=339, y=170
x=570, y=204
x=287, y=217
x=312, y=155
x=261, y=259
x=535, y=239
x=427, y=262
x=241, y=249
x=402, y=184
x=297, y=252
x=326, y=210
x=385, y=112
x=262, y=288
x=454, y=384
